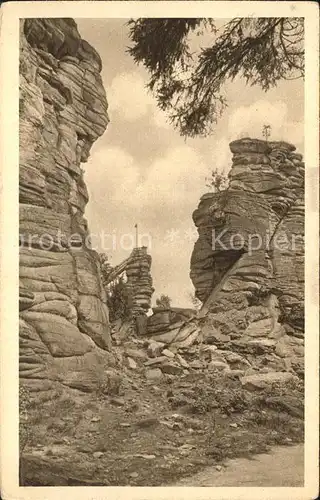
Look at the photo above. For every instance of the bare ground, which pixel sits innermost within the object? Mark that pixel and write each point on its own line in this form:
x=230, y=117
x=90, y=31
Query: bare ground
x=282, y=466
x=154, y=433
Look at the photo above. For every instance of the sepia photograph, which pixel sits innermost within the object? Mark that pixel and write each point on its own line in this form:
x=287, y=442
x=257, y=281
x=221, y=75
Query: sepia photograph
x=163, y=208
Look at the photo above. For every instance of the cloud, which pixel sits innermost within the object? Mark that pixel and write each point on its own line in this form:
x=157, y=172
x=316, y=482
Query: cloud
x=128, y=96
x=160, y=119
x=170, y=271
x=248, y=121
x=174, y=179
x=111, y=173
x=294, y=132
x=219, y=154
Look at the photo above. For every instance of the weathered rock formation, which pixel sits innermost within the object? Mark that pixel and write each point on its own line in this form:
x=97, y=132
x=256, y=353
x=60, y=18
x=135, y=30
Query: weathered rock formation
x=64, y=331
x=139, y=281
x=138, y=289
x=248, y=263
x=175, y=326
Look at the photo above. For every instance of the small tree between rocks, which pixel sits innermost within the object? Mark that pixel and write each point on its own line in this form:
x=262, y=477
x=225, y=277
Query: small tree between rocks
x=118, y=301
x=164, y=302
x=218, y=181
x=266, y=131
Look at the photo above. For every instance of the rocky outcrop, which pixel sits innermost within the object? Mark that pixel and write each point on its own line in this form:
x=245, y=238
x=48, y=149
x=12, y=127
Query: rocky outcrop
x=64, y=331
x=139, y=281
x=177, y=327
x=248, y=263
x=136, y=270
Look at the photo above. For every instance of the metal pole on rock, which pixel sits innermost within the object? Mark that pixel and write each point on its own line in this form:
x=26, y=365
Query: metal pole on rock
x=136, y=226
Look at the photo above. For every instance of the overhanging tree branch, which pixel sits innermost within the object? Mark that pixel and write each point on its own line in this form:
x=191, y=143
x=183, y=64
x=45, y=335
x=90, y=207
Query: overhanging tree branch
x=189, y=88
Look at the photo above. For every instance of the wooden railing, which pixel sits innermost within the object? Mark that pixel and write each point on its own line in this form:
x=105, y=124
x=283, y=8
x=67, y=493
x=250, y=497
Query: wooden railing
x=117, y=271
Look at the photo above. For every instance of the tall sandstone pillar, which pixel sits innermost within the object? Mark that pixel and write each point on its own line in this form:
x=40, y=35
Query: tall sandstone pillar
x=64, y=326
x=248, y=264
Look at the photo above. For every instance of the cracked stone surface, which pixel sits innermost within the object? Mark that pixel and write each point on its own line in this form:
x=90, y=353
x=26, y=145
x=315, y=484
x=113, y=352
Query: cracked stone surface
x=64, y=326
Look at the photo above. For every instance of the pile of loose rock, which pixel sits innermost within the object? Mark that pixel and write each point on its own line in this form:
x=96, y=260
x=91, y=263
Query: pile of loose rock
x=156, y=361
x=175, y=326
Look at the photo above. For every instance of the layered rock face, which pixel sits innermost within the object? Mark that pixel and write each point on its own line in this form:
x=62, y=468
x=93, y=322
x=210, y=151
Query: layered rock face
x=248, y=263
x=175, y=326
x=138, y=284
x=138, y=288
x=64, y=331
x=139, y=281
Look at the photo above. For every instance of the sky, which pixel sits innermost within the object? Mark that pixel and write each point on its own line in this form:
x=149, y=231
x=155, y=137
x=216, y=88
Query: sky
x=141, y=171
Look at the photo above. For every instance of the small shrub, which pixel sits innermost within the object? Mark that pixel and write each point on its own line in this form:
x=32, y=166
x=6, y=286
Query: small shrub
x=164, y=302
x=218, y=181
x=118, y=301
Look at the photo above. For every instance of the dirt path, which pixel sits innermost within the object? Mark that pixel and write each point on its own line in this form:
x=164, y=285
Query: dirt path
x=283, y=466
